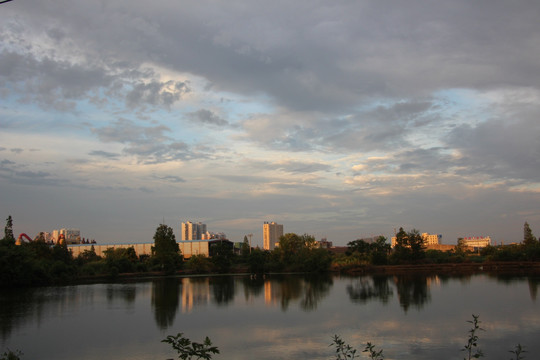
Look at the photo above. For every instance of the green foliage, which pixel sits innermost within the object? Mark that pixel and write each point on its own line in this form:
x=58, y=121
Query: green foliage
x=471, y=349
x=409, y=247
x=518, y=351
x=528, y=237
x=166, y=251
x=375, y=253
x=187, y=349
x=258, y=260
x=88, y=256
x=444, y=257
x=373, y=354
x=34, y=263
x=199, y=264
x=11, y=355
x=121, y=260
x=8, y=231
x=298, y=253
x=512, y=252
x=344, y=351
x=222, y=256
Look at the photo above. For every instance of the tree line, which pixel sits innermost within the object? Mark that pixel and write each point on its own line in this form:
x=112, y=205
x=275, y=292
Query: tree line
x=38, y=263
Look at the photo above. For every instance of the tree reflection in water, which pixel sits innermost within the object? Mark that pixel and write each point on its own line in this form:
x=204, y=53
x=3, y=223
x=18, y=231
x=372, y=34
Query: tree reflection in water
x=223, y=288
x=368, y=288
x=126, y=292
x=412, y=289
x=165, y=300
x=316, y=288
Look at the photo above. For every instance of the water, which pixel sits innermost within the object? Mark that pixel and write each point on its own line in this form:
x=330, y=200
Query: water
x=279, y=317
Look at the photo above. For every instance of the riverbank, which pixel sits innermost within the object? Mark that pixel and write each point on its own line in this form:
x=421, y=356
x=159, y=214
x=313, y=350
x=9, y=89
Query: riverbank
x=510, y=267
x=500, y=268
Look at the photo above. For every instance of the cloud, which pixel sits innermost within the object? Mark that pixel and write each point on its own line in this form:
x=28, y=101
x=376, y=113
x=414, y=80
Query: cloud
x=58, y=84
x=503, y=148
x=204, y=116
x=104, y=154
x=156, y=93
x=416, y=106
x=149, y=143
x=170, y=178
x=292, y=166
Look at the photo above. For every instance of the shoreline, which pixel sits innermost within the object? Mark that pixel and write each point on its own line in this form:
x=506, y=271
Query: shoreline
x=491, y=268
x=510, y=268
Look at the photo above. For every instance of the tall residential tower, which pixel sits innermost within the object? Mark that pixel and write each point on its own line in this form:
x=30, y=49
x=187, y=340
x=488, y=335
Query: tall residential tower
x=193, y=231
x=271, y=234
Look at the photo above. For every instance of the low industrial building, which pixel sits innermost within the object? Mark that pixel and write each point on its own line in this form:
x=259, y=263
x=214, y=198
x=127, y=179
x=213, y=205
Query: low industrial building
x=188, y=248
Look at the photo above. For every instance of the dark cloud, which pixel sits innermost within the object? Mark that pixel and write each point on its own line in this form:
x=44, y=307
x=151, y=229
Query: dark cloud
x=104, y=154
x=504, y=149
x=428, y=110
x=58, y=83
x=325, y=57
x=156, y=93
x=170, y=178
x=208, y=117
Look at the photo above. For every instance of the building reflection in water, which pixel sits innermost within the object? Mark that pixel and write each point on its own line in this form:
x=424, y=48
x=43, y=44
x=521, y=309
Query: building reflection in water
x=195, y=292
x=309, y=291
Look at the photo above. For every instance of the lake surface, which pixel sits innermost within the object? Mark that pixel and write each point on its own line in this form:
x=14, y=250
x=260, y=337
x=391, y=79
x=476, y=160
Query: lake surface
x=276, y=317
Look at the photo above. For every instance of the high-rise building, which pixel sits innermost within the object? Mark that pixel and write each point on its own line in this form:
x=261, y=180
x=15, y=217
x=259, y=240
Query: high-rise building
x=271, y=234
x=193, y=231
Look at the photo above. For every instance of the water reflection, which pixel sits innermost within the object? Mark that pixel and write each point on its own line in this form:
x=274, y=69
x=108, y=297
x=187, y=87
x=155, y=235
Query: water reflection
x=165, y=300
x=195, y=292
x=368, y=288
x=413, y=290
x=223, y=288
x=125, y=292
x=316, y=289
x=307, y=291
x=15, y=306
x=533, y=287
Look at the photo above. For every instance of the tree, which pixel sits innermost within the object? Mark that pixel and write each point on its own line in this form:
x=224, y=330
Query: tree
x=246, y=249
x=417, y=244
x=8, y=231
x=528, y=237
x=409, y=246
x=166, y=251
x=379, y=251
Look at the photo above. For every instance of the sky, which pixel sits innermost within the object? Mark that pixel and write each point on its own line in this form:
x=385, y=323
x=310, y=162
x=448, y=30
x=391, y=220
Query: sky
x=339, y=119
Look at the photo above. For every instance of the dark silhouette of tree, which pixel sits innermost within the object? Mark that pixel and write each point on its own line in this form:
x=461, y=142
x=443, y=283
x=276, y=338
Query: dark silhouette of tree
x=166, y=251
x=8, y=230
x=528, y=237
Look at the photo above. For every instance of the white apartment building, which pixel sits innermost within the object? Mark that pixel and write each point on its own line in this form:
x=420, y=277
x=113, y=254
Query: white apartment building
x=193, y=231
x=271, y=234
x=428, y=239
x=431, y=239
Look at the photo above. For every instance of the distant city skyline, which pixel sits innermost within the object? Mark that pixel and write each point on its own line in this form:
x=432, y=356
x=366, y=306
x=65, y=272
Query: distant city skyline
x=338, y=119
